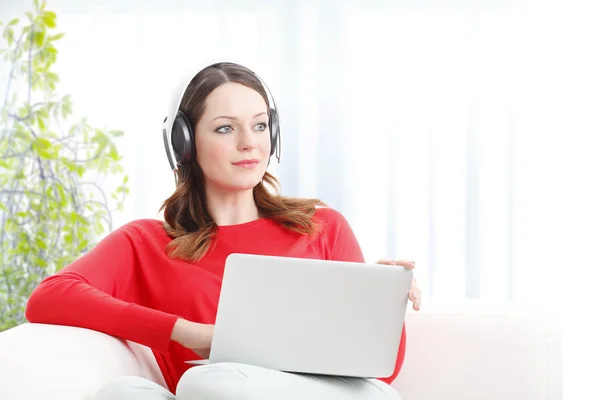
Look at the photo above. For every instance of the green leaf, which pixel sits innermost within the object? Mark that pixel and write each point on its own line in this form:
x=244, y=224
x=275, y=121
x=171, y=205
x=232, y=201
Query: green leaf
x=40, y=262
x=113, y=153
x=52, y=135
x=42, y=112
x=116, y=133
x=9, y=35
x=65, y=110
x=77, y=218
x=53, y=38
x=82, y=245
x=48, y=155
x=101, y=139
x=43, y=148
x=13, y=22
x=49, y=19
x=98, y=228
x=52, y=78
x=22, y=133
x=71, y=166
x=41, y=123
x=19, y=175
x=41, y=143
x=41, y=244
x=61, y=194
x=38, y=38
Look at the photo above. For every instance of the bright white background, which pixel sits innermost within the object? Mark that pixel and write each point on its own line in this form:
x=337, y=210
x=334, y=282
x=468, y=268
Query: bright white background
x=462, y=135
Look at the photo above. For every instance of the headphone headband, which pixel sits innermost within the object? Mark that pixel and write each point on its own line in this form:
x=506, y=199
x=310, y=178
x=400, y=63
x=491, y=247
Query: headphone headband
x=178, y=133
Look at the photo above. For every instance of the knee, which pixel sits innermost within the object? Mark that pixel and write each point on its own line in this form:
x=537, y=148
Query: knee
x=387, y=391
x=212, y=382
x=133, y=387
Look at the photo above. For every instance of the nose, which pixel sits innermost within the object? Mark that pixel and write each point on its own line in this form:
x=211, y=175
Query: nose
x=247, y=140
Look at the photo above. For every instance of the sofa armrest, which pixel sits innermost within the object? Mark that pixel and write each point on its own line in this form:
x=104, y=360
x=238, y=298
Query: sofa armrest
x=473, y=350
x=40, y=361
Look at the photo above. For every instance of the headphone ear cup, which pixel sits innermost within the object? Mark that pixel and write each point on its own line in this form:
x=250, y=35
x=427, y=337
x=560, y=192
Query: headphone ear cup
x=182, y=139
x=273, y=128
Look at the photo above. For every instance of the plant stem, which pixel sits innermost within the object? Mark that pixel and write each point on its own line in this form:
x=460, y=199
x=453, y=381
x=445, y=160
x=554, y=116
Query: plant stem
x=10, y=74
x=30, y=88
x=103, y=197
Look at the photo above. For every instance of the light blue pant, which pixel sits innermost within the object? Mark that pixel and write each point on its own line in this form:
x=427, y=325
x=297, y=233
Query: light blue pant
x=230, y=381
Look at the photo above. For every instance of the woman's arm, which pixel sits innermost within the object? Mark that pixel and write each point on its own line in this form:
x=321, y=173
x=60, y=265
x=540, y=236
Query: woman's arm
x=90, y=292
x=340, y=242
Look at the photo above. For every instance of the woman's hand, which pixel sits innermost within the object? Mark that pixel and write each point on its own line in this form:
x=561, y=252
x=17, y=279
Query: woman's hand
x=414, y=294
x=194, y=336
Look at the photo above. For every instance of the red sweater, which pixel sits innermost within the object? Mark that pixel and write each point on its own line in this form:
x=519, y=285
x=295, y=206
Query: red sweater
x=127, y=287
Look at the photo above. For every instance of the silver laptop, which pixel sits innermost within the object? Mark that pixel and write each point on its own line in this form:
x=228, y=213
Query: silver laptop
x=310, y=316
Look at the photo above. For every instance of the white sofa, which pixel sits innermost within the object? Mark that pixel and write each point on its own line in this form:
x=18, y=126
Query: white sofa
x=466, y=351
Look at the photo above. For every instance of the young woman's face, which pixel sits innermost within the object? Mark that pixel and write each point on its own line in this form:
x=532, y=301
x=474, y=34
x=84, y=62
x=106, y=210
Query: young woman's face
x=232, y=138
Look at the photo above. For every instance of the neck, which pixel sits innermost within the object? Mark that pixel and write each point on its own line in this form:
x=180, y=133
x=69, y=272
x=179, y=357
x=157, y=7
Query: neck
x=231, y=207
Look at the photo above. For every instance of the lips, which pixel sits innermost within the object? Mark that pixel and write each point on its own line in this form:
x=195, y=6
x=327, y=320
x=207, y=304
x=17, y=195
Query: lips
x=246, y=162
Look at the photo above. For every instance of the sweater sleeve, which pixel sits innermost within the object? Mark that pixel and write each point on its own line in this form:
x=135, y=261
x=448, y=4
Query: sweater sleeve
x=343, y=246
x=340, y=242
x=86, y=294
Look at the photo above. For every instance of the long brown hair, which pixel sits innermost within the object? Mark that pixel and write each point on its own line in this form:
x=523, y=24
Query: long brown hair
x=187, y=219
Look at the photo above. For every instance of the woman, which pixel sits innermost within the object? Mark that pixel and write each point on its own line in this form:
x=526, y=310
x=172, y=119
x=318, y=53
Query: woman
x=157, y=283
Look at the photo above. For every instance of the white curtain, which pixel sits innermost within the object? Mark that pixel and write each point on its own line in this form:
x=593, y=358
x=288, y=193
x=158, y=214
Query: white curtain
x=433, y=128
x=461, y=135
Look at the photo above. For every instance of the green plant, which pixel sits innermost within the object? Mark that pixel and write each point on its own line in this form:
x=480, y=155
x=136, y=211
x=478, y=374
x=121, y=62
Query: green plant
x=52, y=210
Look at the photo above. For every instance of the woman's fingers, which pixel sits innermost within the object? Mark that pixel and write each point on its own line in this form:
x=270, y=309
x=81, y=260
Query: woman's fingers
x=415, y=293
x=415, y=296
x=417, y=305
x=406, y=264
